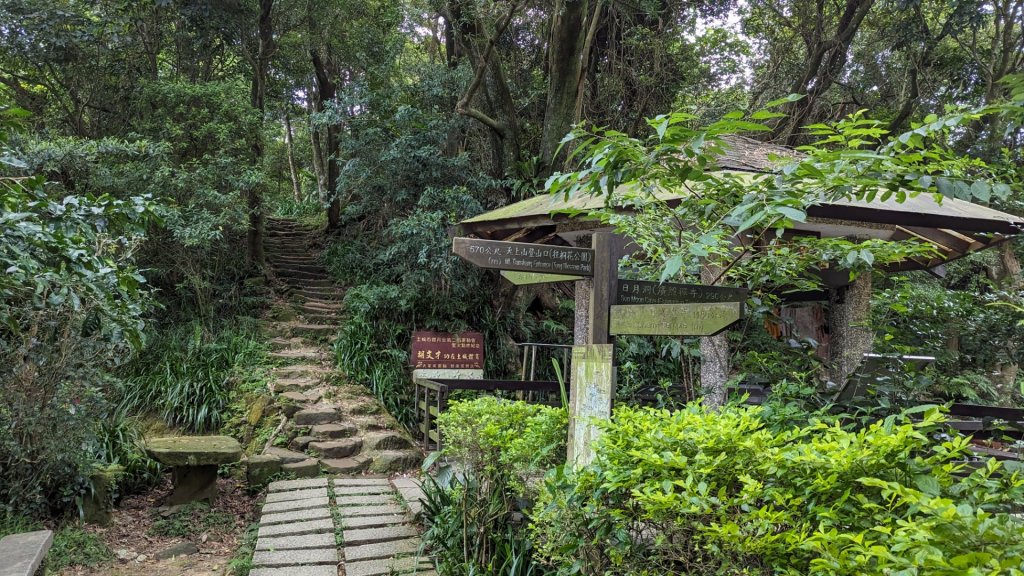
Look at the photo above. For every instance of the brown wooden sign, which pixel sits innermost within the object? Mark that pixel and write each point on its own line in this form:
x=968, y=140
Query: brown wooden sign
x=701, y=319
x=447, y=351
x=641, y=292
x=525, y=257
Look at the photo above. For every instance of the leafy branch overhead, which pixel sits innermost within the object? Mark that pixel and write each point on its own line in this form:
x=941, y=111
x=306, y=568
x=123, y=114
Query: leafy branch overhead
x=687, y=212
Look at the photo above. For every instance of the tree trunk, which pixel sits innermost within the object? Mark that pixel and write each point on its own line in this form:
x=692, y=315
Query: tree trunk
x=714, y=353
x=850, y=332
x=254, y=196
x=326, y=90
x=289, y=139
x=565, y=57
x=317, y=149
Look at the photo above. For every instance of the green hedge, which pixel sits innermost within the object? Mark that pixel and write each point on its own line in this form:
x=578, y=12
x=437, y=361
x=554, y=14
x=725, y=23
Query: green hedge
x=703, y=492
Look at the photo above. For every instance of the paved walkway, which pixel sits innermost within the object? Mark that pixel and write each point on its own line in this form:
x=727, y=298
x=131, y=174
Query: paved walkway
x=356, y=526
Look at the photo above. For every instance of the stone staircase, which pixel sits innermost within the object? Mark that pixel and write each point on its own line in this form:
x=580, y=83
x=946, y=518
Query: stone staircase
x=331, y=427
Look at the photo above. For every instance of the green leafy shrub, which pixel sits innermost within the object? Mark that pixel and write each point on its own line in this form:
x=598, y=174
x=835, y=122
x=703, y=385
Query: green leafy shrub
x=189, y=372
x=474, y=520
x=704, y=492
x=508, y=441
x=71, y=305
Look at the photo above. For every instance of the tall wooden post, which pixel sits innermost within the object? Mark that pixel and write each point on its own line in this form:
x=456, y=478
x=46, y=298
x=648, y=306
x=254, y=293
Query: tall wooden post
x=592, y=385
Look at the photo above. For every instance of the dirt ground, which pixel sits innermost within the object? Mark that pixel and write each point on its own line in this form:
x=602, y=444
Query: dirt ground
x=131, y=539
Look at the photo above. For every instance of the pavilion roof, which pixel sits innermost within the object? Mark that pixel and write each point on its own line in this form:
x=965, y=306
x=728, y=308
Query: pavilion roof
x=955, y=227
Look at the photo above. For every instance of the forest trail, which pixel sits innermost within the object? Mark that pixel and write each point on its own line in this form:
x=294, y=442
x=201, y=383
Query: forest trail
x=333, y=428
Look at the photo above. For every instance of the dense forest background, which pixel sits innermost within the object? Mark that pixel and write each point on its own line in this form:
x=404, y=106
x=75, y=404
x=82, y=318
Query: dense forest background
x=144, y=143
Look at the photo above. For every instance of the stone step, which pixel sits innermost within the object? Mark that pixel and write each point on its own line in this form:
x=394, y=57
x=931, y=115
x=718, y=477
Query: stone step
x=321, y=305
x=287, y=456
x=352, y=465
x=314, y=330
x=334, y=431
x=313, y=354
x=300, y=274
x=316, y=415
x=386, y=441
x=307, y=268
x=300, y=370
x=334, y=449
x=307, y=283
x=280, y=343
x=330, y=295
x=388, y=461
x=363, y=522
x=296, y=384
x=320, y=319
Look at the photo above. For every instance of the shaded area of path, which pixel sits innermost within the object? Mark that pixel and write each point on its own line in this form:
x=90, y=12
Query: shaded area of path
x=331, y=427
x=356, y=526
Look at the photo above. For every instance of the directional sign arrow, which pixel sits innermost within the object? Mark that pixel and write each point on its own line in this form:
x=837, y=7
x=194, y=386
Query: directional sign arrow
x=524, y=278
x=641, y=292
x=524, y=257
x=702, y=319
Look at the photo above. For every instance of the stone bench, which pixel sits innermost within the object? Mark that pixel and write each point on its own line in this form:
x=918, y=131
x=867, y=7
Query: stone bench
x=194, y=461
x=22, y=554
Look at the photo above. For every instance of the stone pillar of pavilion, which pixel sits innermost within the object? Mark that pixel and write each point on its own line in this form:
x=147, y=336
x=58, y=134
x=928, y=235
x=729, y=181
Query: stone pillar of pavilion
x=849, y=313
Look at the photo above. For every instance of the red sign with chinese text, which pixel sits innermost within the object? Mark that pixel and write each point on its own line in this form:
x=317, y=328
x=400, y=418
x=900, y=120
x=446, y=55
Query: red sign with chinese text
x=446, y=351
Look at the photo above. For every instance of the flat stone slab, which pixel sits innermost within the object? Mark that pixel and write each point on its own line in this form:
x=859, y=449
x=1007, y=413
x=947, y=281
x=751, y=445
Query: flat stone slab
x=403, y=483
x=303, y=542
x=297, y=571
x=296, y=495
x=388, y=566
x=194, y=450
x=21, y=554
x=358, y=536
x=381, y=550
x=297, y=528
x=376, y=521
x=367, y=481
x=375, y=510
x=282, y=485
x=277, y=558
x=289, y=505
x=361, y=490
x=363, y=500
x=294, y=516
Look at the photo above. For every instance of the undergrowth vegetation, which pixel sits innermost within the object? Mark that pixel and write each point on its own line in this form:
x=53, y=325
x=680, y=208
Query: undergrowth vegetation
x=718, y=492
x=189, y=373
x=728, y=492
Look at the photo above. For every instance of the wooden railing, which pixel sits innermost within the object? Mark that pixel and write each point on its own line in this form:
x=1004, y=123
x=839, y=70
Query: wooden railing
x=432, y=399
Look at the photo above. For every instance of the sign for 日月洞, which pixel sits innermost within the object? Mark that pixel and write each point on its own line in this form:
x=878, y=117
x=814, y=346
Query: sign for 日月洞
x=447, y=351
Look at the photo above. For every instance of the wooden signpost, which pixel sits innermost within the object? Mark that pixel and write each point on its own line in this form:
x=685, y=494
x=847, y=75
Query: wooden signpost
x=523, y=257
x=613, y=307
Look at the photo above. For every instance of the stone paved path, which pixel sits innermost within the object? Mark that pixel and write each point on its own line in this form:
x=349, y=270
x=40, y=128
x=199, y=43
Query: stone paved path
x=331, y=426
x=356, y=526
